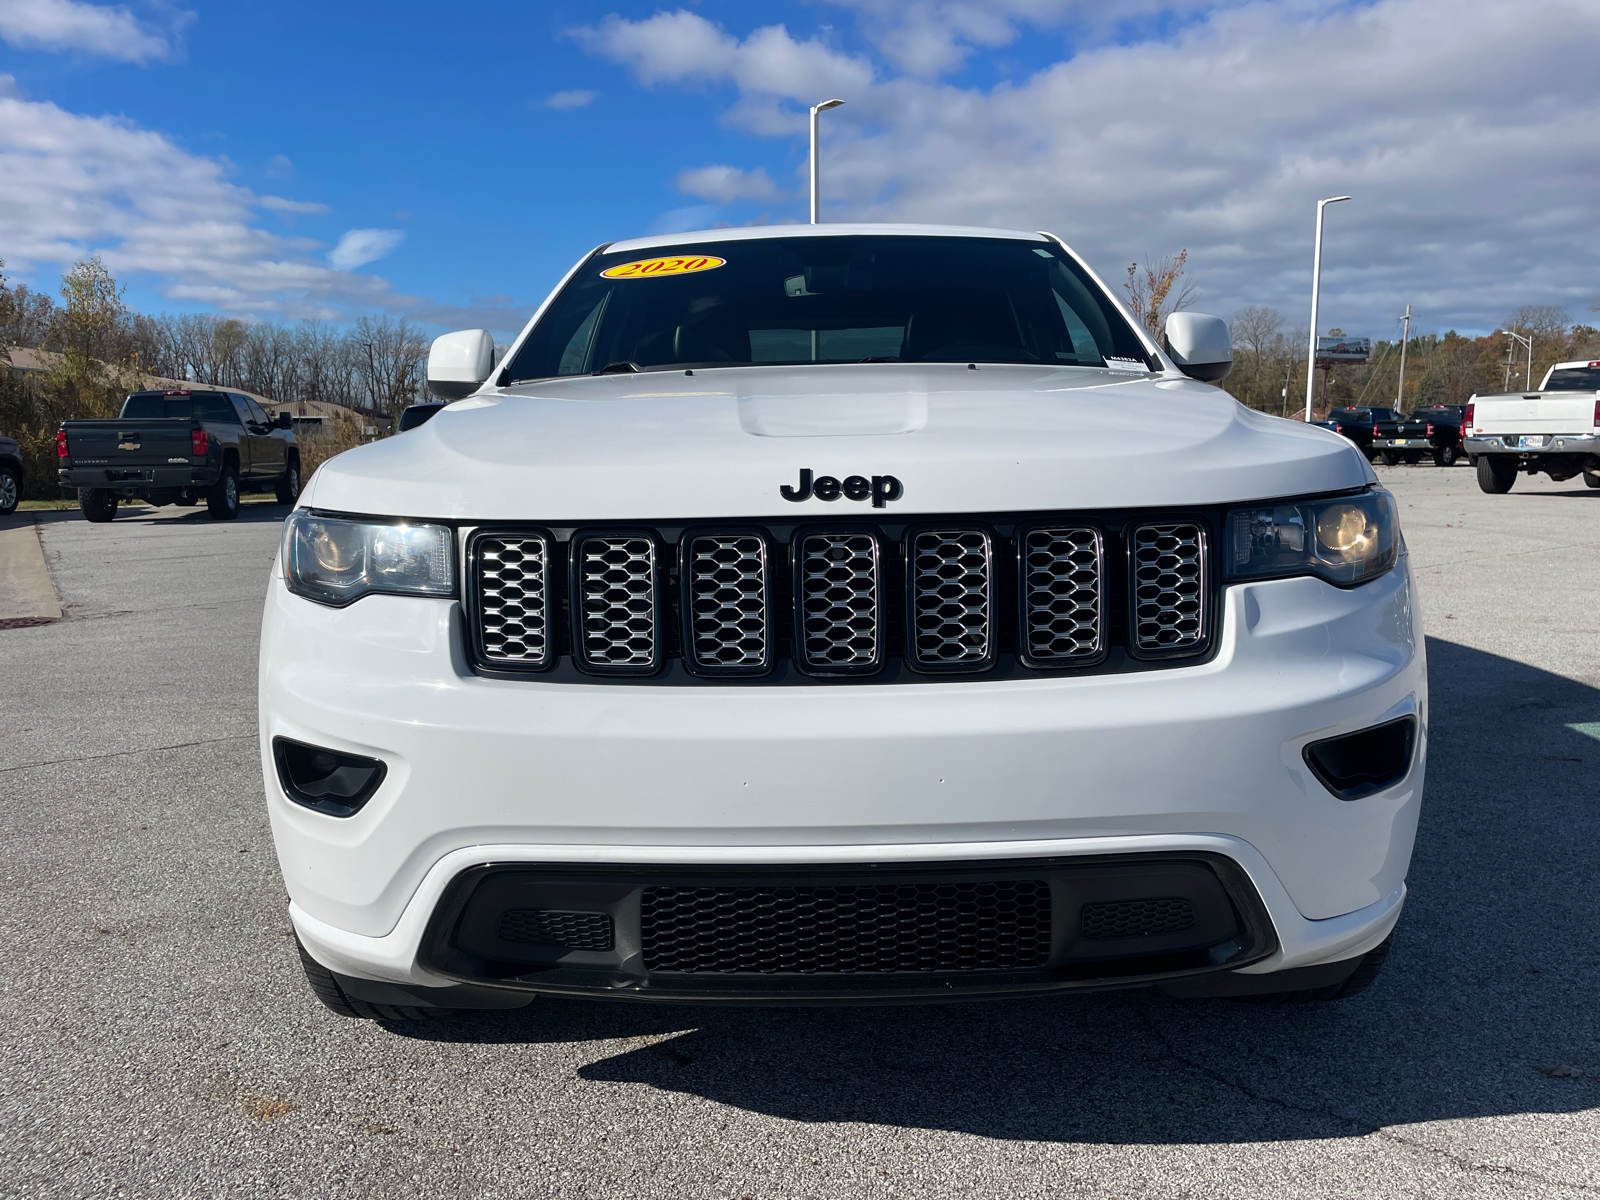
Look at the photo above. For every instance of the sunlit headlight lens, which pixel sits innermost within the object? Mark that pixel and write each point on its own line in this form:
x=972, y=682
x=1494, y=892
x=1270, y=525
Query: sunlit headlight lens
x=334, y=561
x=1347, y=540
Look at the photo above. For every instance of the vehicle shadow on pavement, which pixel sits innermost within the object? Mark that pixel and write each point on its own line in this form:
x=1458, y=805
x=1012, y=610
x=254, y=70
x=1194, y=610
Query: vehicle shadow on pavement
x=1486, y=1006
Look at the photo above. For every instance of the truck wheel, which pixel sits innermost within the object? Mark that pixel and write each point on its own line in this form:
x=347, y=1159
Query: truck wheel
x=1359, y=980
x=1496, y=473
x=327, y=988
x=1445, y=456
x=98, y=504
x=222, y=498
x=288, y=488
x=1591, y=479
x=1390, y=458
x=10, y=492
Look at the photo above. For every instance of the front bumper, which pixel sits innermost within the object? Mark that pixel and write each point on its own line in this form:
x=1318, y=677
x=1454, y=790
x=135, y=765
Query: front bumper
x=1554, y=443
x=1196, y=761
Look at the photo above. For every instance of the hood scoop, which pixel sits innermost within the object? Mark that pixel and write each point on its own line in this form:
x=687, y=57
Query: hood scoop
x=850, y=402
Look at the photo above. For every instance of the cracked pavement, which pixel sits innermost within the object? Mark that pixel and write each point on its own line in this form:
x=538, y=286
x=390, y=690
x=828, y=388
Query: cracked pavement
x=158, y=1040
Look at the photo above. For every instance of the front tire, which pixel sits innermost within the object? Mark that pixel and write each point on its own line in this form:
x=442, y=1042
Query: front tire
x=1496, y=473
x=326, y=986
x=10, y=492
x=222, y=499
x=1445, y=456
x=288, y=488
x=98, y=505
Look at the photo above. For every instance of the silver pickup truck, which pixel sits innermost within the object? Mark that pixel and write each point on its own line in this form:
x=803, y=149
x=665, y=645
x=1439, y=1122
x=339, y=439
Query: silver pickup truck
x=1555, y=430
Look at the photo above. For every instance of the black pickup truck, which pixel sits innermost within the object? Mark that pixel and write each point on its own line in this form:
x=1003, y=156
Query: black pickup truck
x=178, y=448
x=11, y=473
x=1400, y=438
x=1360, y=424
x=1444, y=423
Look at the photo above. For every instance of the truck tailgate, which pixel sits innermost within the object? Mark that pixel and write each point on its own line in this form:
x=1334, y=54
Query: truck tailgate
x=129, y=444
x=1534, y=412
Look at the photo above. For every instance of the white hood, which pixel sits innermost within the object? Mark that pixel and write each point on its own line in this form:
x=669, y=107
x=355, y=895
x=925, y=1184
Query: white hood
x=664, y=445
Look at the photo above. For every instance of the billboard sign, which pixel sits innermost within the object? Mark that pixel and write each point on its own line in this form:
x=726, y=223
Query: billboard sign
x=1344, y=349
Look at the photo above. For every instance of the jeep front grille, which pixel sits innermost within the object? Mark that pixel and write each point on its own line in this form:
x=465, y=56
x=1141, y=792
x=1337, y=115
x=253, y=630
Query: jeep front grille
x=1169, y=588
x=840, y=603
x=951, y=606
x=791, y=603
x=619, y=625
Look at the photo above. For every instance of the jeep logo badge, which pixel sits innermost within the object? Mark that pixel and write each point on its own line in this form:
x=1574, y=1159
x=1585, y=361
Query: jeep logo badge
x=882, y=488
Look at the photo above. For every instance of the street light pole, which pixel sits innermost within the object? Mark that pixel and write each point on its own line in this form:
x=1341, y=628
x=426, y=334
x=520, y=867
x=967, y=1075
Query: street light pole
x=1316, y=289
x=816, y=159
x=1527, y=380
x=1400, y=396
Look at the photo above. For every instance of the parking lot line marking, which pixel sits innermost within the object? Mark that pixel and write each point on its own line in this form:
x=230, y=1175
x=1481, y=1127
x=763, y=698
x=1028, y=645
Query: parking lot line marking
x=1587, y=728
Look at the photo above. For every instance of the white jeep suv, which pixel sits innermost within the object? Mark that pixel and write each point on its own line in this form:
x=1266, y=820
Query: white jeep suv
x=841, y=613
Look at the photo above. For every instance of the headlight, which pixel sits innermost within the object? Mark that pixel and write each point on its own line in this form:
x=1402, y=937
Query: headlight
x=1346, y=541
x=335, y=562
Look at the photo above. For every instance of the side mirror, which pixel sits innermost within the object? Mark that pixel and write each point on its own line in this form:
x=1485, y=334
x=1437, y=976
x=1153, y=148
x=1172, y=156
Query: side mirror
x=1199, y=345
x=285, y=421
x=458, y=363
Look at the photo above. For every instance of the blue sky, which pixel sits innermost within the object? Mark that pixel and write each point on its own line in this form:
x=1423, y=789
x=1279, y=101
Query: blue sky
x=294, y=159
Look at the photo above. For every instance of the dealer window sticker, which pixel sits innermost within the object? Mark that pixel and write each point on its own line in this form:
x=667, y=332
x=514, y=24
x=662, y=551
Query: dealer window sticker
x=651, y=268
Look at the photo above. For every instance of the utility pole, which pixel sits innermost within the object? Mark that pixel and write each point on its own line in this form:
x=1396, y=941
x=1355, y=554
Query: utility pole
x=816, y=159
x=1316, y=289
x=1400, y=396
x=1516, y=339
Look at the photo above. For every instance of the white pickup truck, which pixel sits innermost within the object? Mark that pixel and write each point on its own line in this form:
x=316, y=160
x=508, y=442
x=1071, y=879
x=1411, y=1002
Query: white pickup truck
x=1555, y=430
x=841, y=613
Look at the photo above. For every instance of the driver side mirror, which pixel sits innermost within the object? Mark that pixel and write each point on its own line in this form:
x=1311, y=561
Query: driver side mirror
x=459, y=363
x=284, y=421
x=1199, y=345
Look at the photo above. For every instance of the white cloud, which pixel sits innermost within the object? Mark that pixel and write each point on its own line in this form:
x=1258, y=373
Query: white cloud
x=278, y=204
x=1471, y=161
x=570, y=99
x=106, y=32
x=361, y=246
x=71, y=185
x=279, y=167
x=723, y=184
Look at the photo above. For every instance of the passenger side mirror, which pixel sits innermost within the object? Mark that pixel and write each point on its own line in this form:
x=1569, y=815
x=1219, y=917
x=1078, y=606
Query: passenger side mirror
x=458, y=363
x=1199, y=345
x=285, y=421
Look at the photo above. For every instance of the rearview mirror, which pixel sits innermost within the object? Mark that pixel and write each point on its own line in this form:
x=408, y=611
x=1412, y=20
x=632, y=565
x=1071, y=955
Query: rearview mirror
x=1199, y=345
x=458, y=363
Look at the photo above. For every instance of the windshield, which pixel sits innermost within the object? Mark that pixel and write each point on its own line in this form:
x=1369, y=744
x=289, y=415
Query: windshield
x=1574, y=379
x=208, y=408
x=827, y=300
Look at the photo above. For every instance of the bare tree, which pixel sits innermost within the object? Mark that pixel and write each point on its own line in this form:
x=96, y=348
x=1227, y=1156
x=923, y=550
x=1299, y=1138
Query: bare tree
x=1160, y=291
x=1253, y=329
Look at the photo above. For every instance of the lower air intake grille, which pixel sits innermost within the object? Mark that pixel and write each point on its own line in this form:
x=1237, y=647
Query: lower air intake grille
x=840, y=602
x=513, y=588
x=847, y=928
x=1136, y=918
x=1169, y=589
x=552, y=927
x=620, y=625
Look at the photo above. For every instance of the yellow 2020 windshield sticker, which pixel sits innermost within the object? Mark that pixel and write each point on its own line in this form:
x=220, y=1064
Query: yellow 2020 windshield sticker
x=649, y=268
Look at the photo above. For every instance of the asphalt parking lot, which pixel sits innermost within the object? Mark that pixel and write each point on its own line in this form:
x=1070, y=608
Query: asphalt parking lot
x=157, y=1038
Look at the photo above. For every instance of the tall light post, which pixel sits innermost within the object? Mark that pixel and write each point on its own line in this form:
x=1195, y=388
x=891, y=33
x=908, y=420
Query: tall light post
x=816, y=159
x=1400, y=395
x=1516, y=340
x=1316, y=288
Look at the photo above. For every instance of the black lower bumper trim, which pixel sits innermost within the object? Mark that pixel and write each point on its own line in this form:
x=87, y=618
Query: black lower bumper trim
x=887, y=933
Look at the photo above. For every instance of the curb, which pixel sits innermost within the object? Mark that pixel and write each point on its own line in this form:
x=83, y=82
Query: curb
x=27, y=595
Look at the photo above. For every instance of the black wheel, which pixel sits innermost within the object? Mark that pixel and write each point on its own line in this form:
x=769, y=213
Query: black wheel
x=288, y=488
x=10, y=492
x=1446, y=456
x=326, y=985
x=1390, y=458
x=97, y=503
x=1360, y=980
x=1591, y=479
x=1496, y=473
x=223, y=496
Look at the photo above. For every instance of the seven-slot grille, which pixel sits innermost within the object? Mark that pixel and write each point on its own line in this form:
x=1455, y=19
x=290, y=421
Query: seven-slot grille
x=947, y=598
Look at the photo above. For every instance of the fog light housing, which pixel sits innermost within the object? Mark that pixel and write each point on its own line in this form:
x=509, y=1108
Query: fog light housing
x=326, y=781
x=1354, y=765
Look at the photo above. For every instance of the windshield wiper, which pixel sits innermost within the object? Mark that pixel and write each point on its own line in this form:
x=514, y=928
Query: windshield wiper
x=625, y=366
